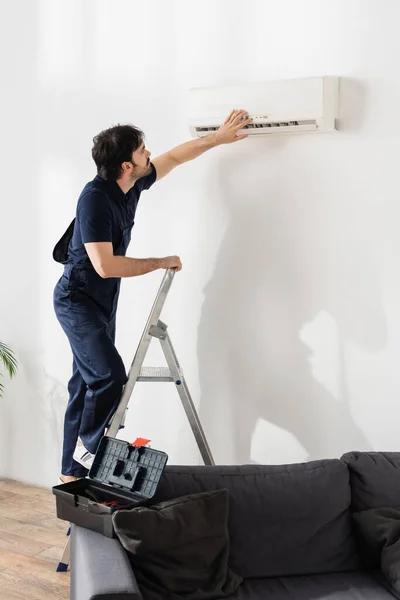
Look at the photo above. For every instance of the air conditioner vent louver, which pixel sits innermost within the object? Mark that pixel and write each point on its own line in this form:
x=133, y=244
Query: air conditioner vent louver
x=265, y=125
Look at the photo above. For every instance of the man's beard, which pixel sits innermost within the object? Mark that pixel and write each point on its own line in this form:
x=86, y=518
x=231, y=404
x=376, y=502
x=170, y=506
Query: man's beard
x=141, y=171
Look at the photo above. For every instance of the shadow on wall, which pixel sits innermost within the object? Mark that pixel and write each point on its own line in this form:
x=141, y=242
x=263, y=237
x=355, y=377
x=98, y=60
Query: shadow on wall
x=54, y=402
x=293, y=248
x=40, y=422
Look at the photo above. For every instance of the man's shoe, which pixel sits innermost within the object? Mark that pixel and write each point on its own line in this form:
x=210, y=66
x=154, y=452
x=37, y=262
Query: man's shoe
x=83, y=456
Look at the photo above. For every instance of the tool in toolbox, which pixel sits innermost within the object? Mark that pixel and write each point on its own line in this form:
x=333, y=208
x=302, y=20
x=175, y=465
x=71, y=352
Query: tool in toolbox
x=173, y=373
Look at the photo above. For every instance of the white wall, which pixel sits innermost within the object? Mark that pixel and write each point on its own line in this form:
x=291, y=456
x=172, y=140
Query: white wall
x=286, y=317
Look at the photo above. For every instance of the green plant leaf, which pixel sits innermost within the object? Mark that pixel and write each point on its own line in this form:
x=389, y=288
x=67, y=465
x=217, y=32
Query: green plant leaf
x=8, y=359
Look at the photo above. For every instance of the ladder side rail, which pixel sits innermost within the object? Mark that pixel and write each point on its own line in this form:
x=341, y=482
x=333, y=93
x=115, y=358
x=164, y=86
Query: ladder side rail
x=187, y=401
x=140, y=354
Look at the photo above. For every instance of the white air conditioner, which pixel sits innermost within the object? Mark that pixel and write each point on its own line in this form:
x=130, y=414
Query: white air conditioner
x=276, y=107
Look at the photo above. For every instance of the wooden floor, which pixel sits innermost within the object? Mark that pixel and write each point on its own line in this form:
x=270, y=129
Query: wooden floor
x=31, y=543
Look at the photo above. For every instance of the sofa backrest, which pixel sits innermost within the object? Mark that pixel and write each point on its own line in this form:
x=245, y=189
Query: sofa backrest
x=284, y=520
x=375, y=483
x=374, y=479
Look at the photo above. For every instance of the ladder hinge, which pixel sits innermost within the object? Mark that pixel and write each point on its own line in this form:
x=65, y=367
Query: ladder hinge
x=158, y=332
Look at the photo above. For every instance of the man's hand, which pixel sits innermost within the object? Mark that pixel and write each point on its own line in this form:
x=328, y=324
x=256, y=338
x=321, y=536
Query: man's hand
x=106, y=264
x=171, y=262
x=227, y=133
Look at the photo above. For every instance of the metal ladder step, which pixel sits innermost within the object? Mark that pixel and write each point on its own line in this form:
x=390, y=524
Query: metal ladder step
x=155, y=374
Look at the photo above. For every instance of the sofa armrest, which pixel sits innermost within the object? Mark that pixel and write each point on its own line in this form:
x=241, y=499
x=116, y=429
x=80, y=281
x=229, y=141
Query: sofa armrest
x=100, y=568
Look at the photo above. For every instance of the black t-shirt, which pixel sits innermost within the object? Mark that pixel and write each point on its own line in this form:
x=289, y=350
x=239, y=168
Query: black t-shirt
x=105, y=214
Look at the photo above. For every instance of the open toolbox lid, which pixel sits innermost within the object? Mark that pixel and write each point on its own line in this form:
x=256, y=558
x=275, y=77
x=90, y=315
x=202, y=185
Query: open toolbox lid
x=124, y=466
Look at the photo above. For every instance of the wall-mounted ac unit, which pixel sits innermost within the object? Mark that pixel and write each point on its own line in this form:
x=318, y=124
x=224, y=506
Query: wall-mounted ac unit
x=276, y=107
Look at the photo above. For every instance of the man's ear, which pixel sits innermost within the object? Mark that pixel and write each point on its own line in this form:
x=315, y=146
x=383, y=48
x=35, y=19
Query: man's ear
x=126, y=166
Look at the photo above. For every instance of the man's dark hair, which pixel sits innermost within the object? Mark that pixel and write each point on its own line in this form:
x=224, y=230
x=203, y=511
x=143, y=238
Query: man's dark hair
x=114, y=146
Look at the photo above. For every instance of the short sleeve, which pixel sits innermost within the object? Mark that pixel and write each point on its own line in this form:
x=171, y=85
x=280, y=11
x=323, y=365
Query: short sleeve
x=95, y=217
x=144, y=183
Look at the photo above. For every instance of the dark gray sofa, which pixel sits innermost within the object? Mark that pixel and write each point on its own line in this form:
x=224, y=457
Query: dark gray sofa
x=291, y=530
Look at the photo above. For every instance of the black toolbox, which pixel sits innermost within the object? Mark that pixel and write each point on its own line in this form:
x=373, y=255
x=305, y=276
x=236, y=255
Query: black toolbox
x=122, y=476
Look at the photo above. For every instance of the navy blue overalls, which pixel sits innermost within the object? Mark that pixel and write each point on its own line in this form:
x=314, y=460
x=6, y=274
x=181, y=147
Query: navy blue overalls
x=85, y=305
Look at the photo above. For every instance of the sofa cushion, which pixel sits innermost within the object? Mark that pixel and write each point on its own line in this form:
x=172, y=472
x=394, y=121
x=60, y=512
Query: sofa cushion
x=179, y=548
x=343, y=586
x=283, y=520
x=374, y=479
x=380, y=532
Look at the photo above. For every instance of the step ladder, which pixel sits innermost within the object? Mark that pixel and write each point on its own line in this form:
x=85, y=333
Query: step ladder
x=138, y=373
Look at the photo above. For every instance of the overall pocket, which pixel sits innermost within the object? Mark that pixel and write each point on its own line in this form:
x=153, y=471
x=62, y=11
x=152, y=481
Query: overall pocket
x=78, y=279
